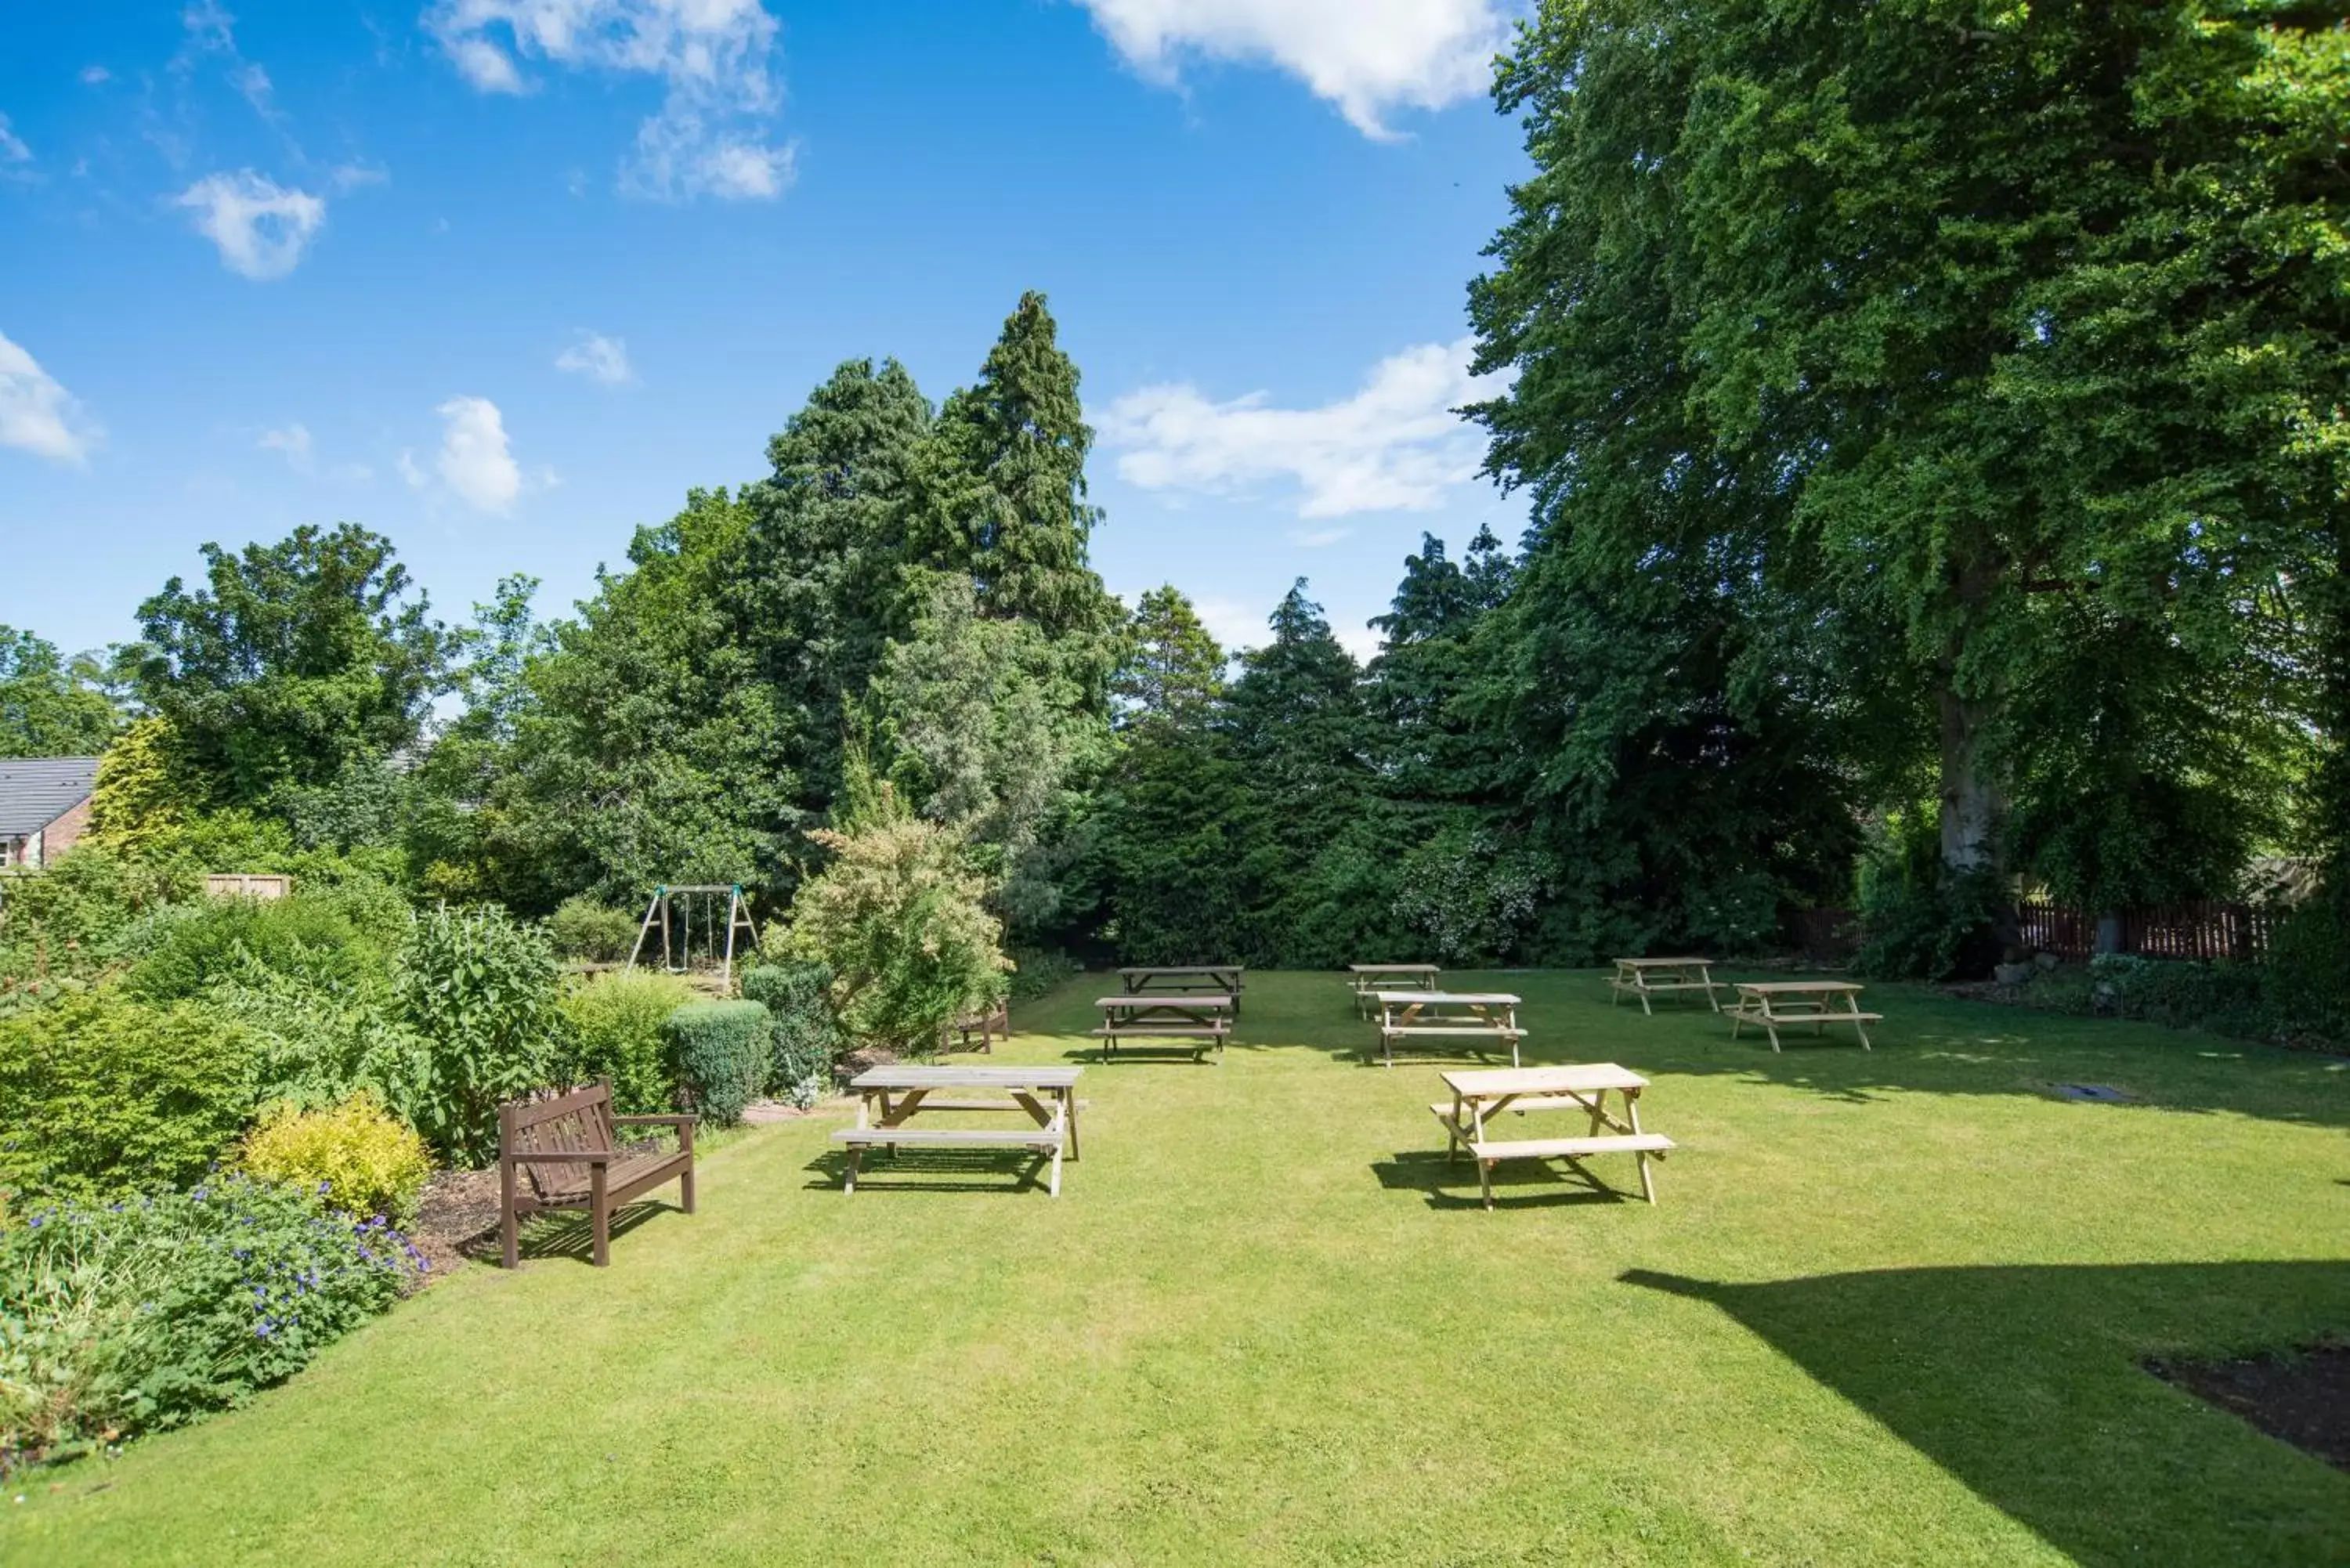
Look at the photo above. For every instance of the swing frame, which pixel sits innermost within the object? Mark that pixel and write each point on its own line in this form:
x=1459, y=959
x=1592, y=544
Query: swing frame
x=680, y=960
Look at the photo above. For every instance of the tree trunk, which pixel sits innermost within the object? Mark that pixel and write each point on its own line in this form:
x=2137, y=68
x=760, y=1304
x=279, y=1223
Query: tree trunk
x=1969, y=800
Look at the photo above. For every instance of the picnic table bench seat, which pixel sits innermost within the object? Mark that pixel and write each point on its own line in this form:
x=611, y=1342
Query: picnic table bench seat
x=1204, y=1019
x=1480, y=1097
x=1776, y=1004
x=565, y=1152
x=891, y=1096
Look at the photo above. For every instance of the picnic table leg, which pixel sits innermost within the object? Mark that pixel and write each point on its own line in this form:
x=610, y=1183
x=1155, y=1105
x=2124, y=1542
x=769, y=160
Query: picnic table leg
x=1485, y=1181
x=851, y=1184
x=1632, y=1116
x=1054, y=1190
x=1771, y=1025
x=1068, y=1098
x=1645, y=1009
x=1852, y=1005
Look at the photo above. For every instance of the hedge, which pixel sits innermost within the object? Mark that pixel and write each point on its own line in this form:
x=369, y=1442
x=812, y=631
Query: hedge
x=721, y=1053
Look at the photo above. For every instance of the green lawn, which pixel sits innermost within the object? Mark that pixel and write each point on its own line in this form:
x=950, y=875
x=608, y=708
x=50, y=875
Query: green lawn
x=1889, y=1309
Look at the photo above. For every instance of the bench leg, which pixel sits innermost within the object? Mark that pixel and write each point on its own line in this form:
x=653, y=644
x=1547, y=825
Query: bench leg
x=854, y=1153
x=1054, y=1190
x=1485, y=1180
x=509, y=1223
x=1644, y=1009
x=600, y=1208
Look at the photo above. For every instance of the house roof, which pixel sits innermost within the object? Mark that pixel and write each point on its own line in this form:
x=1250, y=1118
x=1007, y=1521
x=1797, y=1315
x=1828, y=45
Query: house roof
x=36, y=791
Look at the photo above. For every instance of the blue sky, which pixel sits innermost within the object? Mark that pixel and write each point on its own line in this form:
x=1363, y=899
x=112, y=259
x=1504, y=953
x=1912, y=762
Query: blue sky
x=501, y=279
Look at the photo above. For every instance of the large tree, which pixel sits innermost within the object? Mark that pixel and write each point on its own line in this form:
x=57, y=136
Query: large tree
x=294, y=662
x=49, y=707
x=1953, y=313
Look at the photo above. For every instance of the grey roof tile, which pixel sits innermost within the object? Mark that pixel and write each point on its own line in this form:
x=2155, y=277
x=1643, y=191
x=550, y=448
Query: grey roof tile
x=36, y=791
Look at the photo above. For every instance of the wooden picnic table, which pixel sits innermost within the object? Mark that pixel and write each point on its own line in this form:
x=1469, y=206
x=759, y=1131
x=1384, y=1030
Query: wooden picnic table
x=892, y=1095
x=1212, y=978
x=1204, y=1021
x=1455, y=1014
x=1650, y=977
x=1778, y=1002
x=1375, y=977
x=1478, y=1096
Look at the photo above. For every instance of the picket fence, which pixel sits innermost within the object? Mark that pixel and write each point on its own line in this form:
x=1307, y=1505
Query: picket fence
x=2197, y=930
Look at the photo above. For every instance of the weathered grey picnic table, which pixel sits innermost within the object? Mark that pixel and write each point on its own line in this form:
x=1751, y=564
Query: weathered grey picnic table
x=1204, y=1021
x=892, y=1095
x=1181, y=979
x=1777, y=1003
x=1371, y=977
x=1456, y=1014
x=1478, y=1097
x=1650, y=977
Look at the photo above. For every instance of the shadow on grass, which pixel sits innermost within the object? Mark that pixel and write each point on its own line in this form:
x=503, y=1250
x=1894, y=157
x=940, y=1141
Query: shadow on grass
x=1448, y=1183
x=934, y=1170
x=565, y=1234
x=2026, y=1384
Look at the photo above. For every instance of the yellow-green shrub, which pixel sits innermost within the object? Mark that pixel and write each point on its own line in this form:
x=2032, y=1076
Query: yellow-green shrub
x=356, y=1157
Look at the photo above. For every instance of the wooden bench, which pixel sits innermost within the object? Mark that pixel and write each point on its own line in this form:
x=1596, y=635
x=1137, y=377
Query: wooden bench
x=1206, y=1021
x=1219, y=979
x=894, y=1095
x=1648, y=978
x=1489, y=1153
x=1409, y=1015
x=1777, y=1004
x=565, y=1153
x=956, y=1036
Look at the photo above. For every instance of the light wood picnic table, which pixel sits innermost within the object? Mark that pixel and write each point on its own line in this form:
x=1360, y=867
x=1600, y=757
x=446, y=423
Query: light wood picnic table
x=892, y=1095
x=1455, y=1014
x=1649, y=977
x=1776, y=1004
x=1478, y=1096
x=1205, y=1021
x=1375, y=977
x=1214, y=979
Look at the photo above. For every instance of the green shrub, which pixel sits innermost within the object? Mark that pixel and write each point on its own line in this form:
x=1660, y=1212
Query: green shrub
x=1918, y=921
x=100, y=1093
x=146, y=1314
x=82, y=913
x=1038, y=969
x=721, y=1053
x=2224, y=997
x=2308, y=973
x=807, y=1037
x=613, y=1029
x=901, y=922
x=196, y=943
x=319, y=1039
x=581, y=928
x=480, y=989
x=357, y=1158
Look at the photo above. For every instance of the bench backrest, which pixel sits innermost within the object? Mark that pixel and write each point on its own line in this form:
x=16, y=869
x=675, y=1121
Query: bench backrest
x=580, y=1119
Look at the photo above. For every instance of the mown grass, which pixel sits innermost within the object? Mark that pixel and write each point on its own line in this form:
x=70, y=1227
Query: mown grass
x=1890, y=1309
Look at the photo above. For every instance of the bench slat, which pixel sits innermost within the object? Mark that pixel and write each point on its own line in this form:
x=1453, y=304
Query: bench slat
x=1035, y=1137
x=1465, y=1032
x=1572, y=1148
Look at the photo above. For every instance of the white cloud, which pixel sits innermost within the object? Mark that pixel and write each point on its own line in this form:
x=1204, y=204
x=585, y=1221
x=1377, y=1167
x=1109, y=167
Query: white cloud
x=211, y=31
x=39, y=416
x=603, y=360
x=294, y=441
x=712, y=56
x=261, y=227
x=1395, y=445
x=414, y=475
x=1369, y=57
x=1234, y=625
x=93, y=75
x=346, y=177
x=474, y=460
x=12, y=146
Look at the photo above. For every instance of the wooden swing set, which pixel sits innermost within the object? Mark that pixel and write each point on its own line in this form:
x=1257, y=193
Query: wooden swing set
x=672, y=909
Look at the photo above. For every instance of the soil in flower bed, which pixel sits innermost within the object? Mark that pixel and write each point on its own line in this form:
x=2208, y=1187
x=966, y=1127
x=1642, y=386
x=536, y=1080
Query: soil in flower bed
x=2301, y=1397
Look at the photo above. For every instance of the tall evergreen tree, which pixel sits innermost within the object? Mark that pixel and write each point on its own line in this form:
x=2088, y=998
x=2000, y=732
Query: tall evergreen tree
x=1007, y=484
x=1172, y=671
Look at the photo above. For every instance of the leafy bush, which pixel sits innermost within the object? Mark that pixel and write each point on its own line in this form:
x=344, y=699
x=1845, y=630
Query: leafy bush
x=721, y=1053
x=1468, y=896
x=2225, y=997
x=581, y=928
x=1917, y=921
x=613, y=1029
x=1038, y=969
x=100, y=1095
x=197, y=943
x=149, y=1313
x=900, y=919
x=357, y=1158
x=2308, y=973
x=807, y=1037
x=319, y=1038
x=481, y=991
x=81, y=913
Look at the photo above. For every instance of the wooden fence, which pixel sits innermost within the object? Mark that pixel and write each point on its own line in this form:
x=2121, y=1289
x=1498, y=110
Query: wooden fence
x=2200, y=930
x=2207, y=930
